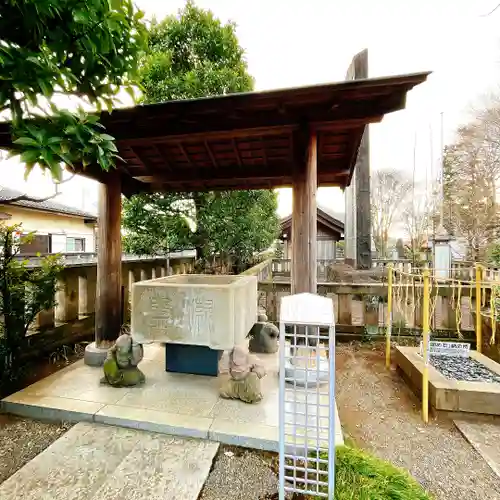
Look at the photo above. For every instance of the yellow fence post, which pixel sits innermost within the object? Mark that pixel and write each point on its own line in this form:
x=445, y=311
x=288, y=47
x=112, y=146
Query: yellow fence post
x=426, y=355
x=479, y=333
x=388, y=332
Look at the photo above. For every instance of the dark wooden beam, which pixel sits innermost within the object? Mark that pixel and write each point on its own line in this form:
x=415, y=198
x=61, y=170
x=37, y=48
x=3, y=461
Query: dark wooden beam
x=184, y=152
x=210, y=154
x=353, y=110
x=163, y=155
x=236, y=151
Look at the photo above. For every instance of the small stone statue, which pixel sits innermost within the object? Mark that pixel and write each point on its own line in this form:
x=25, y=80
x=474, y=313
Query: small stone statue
x=264, y=338
x=240, y=376
x=120, y=366
x=262, y=316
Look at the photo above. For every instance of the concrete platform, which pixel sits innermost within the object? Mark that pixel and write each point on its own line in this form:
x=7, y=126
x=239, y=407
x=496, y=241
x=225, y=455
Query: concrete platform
x=96, y=462
x=169, y=403
x=447, y=394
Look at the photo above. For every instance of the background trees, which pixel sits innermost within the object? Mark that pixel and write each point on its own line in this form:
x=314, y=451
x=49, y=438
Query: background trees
x=389, y=190
x=54, y=49
x=194, y=55
x=471, y=172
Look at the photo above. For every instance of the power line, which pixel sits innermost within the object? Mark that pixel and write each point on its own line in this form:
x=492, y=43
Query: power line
x=491, y=12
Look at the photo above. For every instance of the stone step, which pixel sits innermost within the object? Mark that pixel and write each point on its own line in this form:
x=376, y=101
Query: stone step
x=99, y=462
x=484, y=438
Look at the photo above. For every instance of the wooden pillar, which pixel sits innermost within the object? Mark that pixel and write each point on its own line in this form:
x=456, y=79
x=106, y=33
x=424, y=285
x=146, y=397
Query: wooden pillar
x=304, y=225
x=109, y=256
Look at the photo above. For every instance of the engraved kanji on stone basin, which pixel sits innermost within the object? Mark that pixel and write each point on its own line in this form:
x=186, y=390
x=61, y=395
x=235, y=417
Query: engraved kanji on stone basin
x=200, y=311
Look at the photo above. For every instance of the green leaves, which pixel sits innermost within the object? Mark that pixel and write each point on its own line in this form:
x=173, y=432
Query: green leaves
x=233, y=225
x=25, y=141
x=193, y=55
x=83, y=48
x=64, y=139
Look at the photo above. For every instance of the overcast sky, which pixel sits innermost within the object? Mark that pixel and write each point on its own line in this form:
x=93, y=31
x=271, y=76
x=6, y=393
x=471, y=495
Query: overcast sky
x=295, y=42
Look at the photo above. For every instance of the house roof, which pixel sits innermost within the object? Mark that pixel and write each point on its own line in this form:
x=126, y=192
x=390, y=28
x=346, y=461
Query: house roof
x=255, y=140
x=7, y=194
x=324, y=218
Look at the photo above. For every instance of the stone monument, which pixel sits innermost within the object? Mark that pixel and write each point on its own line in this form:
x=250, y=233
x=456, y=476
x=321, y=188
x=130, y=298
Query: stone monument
x=120, y=366
x=240, y=375
x=442, y=258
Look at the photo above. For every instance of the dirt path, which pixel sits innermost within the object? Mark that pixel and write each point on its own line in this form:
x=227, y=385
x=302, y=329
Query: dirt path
x=381, y=414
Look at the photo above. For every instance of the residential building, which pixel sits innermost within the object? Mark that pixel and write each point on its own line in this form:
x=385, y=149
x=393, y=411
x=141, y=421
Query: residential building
x=58, y=228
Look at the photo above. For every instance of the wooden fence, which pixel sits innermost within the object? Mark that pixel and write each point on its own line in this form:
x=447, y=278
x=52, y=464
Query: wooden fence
x=72, y=319
x=361, y=309
x=460, y=270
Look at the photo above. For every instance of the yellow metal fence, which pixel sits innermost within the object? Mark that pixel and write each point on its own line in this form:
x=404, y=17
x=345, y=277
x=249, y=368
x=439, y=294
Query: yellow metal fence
x=421, y=290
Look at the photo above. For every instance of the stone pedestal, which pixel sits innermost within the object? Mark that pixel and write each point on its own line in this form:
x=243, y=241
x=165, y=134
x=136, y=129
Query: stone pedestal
x=192, y=359
x=442, y=254
x=95, y=356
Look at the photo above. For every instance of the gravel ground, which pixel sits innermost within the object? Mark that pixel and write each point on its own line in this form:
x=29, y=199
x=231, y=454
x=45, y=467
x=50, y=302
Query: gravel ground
x=381, y=414
x=21, y=439
x=240, y=474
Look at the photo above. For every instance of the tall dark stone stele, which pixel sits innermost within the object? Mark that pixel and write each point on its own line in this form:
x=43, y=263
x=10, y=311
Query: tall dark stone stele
x=358, y=218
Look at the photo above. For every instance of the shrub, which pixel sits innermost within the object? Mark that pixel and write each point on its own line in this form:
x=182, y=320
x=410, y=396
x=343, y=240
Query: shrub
x=24, y=292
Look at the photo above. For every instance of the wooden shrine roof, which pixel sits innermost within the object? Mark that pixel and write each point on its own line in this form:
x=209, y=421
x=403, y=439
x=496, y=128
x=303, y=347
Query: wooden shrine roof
x=325, y=220
x=247, y=141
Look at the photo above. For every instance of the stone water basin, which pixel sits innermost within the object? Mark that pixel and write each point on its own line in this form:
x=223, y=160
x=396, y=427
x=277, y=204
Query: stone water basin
x=203, y=310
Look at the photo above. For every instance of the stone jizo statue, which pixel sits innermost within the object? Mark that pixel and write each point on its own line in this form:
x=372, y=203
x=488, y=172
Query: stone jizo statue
x=240, y=374
x=120, y=366
x=264, y=338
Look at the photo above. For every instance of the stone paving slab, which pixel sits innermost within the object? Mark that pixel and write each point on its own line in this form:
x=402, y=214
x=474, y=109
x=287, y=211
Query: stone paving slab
x=484, y=438
x=170, y=403
x=97, y=462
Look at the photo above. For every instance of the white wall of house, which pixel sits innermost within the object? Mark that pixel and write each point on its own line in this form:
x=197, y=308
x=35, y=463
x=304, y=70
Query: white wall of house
x=67, y=233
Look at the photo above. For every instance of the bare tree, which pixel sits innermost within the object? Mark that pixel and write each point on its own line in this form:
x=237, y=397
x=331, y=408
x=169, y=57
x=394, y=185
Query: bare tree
x=389, y=190
x=418, y=215
x=471, y=173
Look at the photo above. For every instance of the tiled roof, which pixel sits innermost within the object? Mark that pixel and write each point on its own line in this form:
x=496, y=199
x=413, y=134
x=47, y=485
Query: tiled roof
x=340, y=216
x=7, y=194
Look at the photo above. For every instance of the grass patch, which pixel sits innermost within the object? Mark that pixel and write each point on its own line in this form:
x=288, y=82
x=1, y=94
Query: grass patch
x=361, y=476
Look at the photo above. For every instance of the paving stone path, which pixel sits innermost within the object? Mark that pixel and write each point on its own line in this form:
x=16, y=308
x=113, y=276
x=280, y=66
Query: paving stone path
x=484, y=437
x=98, y=462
